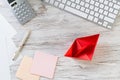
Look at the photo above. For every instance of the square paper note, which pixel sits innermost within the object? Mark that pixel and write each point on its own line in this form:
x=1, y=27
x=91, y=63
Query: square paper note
x=24, y=70
x=44, y=65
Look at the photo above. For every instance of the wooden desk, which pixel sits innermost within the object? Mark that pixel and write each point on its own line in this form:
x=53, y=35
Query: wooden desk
x=54, y=30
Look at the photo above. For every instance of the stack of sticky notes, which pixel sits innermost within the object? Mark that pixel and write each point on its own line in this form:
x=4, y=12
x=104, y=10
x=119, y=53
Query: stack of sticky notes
x=24, y=70
x=41, y=65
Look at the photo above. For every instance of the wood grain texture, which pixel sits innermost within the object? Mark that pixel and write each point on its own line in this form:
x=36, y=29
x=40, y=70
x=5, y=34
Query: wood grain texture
x=54, y=30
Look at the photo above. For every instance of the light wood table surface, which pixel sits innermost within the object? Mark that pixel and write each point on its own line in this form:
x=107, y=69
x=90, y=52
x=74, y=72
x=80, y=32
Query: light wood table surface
x=53, y=31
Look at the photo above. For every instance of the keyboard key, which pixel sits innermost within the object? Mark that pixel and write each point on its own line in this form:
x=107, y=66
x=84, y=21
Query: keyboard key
x=116, y=6
x=51, y=1
x=87, y=1
x=109, y=19
x=109, y=27
x=105, y=13
x=69, y=3
x=100, y=23
x=97, y=4
x=56, y=3
x=106, y=8
x=46, y=0
x=96, y=14
x=87, y=10
x=101, y=16
x=82, y=3
x=92, y=12
x=101, y=6
x=115, y=11
x=92, y=2
x=77, y=1
x=118, y=3
x=73, y=5
x=59, y=0
x=112, y=15
x=106, y=2
x=105, y=23
x=96, y=9
x=95, y=19
x=114, y=1
x=82, y=14
x=90, y=17
x=91, y=7
x=101, y=11
x=72, y=0
x=78, y=7
x=86, y=5
x=61, y=6
x=110, y=4
x=101, y=1
x=64, y=1
x=111, y=9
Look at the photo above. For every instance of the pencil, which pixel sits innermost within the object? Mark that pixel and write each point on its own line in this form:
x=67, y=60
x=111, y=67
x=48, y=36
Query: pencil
x=17, y=53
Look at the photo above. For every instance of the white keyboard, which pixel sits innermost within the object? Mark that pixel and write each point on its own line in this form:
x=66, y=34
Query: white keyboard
x=102, y=12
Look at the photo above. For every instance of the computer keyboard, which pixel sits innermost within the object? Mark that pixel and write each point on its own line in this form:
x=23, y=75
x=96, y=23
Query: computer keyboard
x=102, y=12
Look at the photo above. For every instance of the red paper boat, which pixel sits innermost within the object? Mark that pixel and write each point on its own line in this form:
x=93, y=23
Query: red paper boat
x=83, y=48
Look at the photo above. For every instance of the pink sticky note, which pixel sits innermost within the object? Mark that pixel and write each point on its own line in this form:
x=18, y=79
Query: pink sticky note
x=24, y=70
x=44, y=65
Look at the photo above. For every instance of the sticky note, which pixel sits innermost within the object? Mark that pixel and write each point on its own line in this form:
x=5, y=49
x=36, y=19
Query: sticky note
x=24, y=70
x=44, y=65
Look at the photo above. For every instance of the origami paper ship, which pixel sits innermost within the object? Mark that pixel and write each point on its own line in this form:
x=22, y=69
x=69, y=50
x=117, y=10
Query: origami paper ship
x=83, y=48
